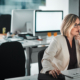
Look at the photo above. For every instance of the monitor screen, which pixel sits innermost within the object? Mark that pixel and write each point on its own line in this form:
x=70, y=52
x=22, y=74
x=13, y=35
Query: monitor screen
x=21, y=20
x=47, y=21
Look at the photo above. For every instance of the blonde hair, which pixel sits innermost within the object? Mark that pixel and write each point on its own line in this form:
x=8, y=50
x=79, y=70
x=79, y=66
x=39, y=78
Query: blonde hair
x=67, y=23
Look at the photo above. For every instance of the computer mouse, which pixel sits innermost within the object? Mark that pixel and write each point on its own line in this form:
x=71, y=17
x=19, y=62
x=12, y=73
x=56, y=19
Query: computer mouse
x=61, y=77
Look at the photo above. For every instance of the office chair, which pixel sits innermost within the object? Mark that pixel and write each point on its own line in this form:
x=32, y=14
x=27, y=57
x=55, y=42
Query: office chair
x=40, y=55
x=12, y=60
x=5, y=21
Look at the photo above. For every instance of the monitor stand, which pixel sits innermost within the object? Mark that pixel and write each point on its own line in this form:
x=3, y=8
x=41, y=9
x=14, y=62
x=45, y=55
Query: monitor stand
x=42, y=37
x=45, y=37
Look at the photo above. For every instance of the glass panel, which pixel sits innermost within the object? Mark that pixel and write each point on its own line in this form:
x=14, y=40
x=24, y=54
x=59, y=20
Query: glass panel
x=6, y=6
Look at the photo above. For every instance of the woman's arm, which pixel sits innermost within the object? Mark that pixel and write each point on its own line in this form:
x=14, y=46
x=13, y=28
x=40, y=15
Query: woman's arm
x=49, y=54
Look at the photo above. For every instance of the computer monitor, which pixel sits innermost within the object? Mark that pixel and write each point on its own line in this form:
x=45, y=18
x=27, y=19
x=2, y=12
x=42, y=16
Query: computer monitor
x=22, y=21
x=47, y=21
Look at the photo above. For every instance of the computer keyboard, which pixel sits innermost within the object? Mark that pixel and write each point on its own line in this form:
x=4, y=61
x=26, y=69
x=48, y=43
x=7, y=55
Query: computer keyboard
x=15, y=39
x=31, y=37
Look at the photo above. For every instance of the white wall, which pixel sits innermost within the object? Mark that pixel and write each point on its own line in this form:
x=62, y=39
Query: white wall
x=57, y=5
x=74, y=7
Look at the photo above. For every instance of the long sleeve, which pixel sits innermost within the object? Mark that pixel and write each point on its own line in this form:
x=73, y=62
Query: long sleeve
x=49, y=55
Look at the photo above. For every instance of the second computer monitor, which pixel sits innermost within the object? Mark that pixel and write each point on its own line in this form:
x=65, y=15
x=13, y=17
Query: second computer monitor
x=47, y=21
x=22, y=20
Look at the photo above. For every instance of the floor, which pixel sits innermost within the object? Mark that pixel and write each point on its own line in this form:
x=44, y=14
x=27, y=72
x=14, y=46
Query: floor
x=34, y=59
x=34, y=69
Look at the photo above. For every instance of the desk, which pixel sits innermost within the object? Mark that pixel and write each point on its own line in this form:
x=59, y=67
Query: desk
x=67, y=72
x=28, y=44
x=1, y=36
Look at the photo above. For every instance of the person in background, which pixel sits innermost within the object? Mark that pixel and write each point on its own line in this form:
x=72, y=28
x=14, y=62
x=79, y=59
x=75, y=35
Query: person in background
x=63, y=53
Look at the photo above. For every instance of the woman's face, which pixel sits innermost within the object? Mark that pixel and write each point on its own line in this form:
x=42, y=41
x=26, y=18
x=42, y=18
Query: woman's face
x=75, y=30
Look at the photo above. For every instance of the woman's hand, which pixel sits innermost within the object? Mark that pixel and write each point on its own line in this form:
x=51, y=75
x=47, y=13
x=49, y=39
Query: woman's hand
x=55, y=72
x=77, y=37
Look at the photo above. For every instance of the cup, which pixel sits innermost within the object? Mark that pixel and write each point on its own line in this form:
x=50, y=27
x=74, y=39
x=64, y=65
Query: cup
x=4, y=30
x=49, y=34
x=55, y=34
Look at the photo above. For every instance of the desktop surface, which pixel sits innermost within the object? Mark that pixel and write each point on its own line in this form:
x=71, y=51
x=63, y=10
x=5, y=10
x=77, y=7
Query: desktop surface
x=28, y=43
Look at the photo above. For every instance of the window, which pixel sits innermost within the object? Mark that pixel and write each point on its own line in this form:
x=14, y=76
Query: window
x=6, y=6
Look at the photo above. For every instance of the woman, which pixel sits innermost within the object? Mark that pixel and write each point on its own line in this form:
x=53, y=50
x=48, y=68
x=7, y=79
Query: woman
x=63, y=51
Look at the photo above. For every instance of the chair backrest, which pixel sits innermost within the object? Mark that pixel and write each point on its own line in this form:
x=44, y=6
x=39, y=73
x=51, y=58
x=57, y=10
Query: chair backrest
x=5, y=21
x=40, y=55
x=12, y=60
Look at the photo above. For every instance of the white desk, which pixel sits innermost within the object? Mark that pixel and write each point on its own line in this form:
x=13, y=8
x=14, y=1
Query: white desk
x=67, y=72
x=28, y=44
x=75, y=73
